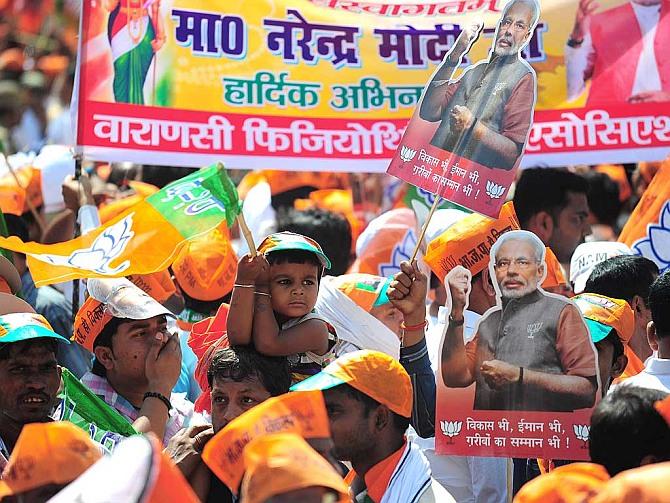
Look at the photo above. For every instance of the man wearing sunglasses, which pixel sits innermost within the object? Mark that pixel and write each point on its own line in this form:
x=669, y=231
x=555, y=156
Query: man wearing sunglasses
x=531, y=352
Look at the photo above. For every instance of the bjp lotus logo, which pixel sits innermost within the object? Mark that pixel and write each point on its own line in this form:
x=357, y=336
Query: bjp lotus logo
x=406, y=153
x=493, y=190
x=451, y=429
x=582, y=433
x=656, y=246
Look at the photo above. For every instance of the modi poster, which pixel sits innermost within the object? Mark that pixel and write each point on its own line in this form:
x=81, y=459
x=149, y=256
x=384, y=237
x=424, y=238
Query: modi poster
x=521, y=378
x=330, y=84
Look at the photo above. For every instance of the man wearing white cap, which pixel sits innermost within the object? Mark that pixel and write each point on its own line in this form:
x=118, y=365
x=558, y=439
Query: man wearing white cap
x=137, y=362
x=588, y=255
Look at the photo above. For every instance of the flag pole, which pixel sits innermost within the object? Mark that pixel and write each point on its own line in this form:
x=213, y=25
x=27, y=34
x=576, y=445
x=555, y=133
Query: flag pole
x=246, y=232
x=77, y=233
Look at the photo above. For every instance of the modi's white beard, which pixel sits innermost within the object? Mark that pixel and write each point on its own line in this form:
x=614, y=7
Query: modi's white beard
x=517, y=293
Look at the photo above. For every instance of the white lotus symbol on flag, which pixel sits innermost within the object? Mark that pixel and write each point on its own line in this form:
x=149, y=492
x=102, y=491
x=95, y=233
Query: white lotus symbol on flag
x=493, y=190
x=656, y=245
x=582, y=433
x=451, y=429
x=109, y=245
x=406, y=153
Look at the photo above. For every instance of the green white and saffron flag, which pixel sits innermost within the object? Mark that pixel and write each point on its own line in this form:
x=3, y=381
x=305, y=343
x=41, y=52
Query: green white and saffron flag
x=145, y=238
x=80, y=406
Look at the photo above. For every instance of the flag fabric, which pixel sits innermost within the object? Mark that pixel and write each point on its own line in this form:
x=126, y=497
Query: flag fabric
x=143, y=239
x=647, y=231
x=80, y=406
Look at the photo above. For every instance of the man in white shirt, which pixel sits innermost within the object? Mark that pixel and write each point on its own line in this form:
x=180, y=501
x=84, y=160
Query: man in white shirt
x=621, y=51
x=656, y=373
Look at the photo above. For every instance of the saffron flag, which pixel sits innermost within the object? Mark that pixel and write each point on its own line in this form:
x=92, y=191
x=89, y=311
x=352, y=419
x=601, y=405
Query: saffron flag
x=647, y=231
x=143, y=239
x=80, y=406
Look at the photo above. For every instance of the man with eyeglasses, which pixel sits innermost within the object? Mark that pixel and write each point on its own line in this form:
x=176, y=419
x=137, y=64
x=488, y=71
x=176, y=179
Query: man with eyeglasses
x=486, y=114
x=531, y=352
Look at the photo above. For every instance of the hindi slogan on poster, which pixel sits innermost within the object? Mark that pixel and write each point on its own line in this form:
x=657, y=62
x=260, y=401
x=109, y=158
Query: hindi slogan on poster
x=280, y=84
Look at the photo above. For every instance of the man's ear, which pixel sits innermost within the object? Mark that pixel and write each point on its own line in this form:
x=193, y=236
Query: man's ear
x=105, y=356
x=542, y=225
x=487, y=284
x=382, y=417
x=618, y=366
x=652, y=338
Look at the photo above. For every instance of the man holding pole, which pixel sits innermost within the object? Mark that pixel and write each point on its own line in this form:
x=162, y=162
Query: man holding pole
x=486, y=114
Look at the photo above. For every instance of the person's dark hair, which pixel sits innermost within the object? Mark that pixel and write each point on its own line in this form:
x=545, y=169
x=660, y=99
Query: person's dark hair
x=206, y=307
x=399, y=422
x=160, y=176
x=659, y=304
x=603, y=197
x=293, y=257
x=553, y=184
x=16, y=226
x=104, y=339
x=285, y=200
x=240, y=363
x=626, y=428
x=6, y=348
x=331, y=230
x=623, y=277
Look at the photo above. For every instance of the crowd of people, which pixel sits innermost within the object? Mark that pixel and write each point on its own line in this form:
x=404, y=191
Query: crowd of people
x=304, y=368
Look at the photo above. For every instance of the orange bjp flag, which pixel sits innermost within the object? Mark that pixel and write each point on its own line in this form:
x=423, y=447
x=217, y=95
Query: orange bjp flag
x=143, y=239
x=647, y=231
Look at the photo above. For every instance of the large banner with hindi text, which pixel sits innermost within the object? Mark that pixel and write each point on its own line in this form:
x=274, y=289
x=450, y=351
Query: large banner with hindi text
x=331, y=84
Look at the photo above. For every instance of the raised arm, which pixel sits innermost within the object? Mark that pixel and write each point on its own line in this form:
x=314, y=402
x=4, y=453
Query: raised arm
x=241, y=314
x=457, y=371
x=433, y=100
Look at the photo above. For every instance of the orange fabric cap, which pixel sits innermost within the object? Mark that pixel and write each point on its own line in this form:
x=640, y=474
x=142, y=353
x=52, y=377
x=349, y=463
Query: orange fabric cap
x=647, y=484
x=47, y=453
x=468, y=242
x=158, y=284
x=615, y=313
x=283, y=462
x=282, y=181
x=555, y=275
x=13, y=197
x=618, y=174
x=300, y=413
x=336, y=201
x=385, y=242
x=573, y=483
x=206, y=268
x=169, y=484
x=89, y=322
x=53, y=64
x=375, y=374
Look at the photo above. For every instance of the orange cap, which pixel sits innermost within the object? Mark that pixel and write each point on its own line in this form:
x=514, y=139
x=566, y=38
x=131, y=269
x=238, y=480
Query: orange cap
x=157, y=284
x=300, y=413
x=282, y=181
x=573, y=483
x=617, y=173
x=47, y=453
x=375, y=374
x=336, y=201
x=468, y=242
x=647, y=484
x=612, y=313
x=555, y=275
x=89, y=322
x=386, y=241
x=283, y=462
x=205, y=270
x=13, y=196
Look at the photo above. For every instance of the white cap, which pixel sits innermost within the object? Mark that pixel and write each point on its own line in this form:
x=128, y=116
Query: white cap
x=123, y=299
x=441, y=221
x=588, y=255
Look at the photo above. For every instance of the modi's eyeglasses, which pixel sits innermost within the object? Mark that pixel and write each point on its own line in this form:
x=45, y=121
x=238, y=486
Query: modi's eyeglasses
x=521, y=263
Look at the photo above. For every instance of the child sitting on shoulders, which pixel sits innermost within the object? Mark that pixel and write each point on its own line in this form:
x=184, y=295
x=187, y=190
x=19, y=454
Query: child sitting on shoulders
x=273, y=303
